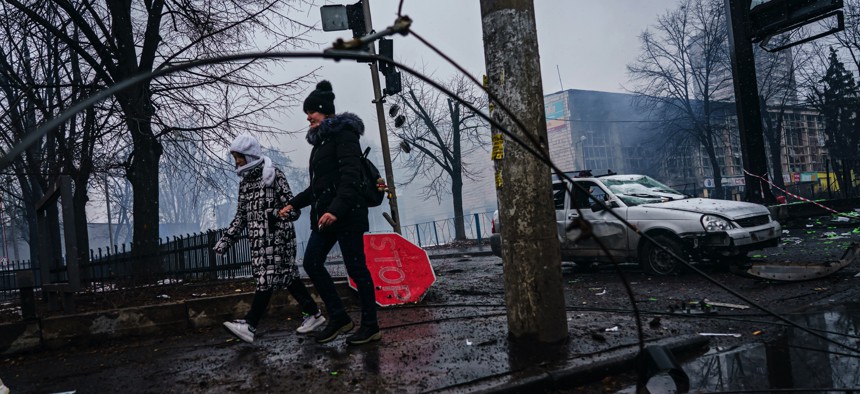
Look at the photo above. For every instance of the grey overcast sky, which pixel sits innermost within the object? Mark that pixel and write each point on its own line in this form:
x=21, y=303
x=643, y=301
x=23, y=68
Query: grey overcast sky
x=587, y=42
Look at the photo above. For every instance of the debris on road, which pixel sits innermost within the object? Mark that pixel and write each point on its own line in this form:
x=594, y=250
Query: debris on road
x=718, y=334
x=792, y=240
x=805, y=271
x=725, y=305
x=692, y=307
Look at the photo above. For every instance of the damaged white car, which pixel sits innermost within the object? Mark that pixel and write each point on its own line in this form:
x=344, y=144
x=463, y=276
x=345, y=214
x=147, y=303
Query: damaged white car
x=695, y=229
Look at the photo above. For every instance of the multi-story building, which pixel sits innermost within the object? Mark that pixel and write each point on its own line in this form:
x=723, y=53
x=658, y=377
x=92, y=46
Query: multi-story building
x=597, y=131
x=602, y=131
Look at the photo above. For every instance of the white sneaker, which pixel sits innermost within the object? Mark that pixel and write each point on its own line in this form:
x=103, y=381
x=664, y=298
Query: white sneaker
x=310, y=323
x=240, y=329
x=3, y=388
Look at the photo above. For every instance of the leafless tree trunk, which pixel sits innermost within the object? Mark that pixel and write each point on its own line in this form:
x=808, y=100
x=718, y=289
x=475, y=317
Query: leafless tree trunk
x=778, y=89
x=32, y=67
x=442, y=134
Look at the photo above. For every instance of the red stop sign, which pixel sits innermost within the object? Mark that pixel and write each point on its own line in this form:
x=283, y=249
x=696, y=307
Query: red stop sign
x=401, y=271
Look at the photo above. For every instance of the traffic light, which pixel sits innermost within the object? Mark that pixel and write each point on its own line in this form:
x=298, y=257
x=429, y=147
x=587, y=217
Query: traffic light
x=386, y=50
x=392, y=76
x=355, y=18
x=393, y=84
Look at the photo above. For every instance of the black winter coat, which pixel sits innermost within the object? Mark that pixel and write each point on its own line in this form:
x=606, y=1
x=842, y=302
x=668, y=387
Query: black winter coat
x=335, y=175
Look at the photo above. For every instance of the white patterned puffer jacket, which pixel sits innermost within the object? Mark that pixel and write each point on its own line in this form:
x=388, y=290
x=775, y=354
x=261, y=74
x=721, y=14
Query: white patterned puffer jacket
x=271, y=238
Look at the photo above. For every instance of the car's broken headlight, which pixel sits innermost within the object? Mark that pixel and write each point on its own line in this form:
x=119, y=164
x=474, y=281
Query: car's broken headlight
x=713, y=223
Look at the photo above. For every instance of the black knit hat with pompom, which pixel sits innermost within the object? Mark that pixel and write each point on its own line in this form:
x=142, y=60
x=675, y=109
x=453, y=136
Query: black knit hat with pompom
x=320, y=100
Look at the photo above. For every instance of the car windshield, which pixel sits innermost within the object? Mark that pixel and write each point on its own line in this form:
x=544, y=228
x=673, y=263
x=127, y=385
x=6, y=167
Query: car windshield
x=642, y=190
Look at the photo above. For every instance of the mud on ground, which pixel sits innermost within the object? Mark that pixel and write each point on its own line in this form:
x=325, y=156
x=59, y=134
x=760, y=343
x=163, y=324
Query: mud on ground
x=159, y=293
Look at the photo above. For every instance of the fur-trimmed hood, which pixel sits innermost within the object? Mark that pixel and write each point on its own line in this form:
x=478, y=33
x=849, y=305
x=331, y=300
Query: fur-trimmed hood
x=345, y=122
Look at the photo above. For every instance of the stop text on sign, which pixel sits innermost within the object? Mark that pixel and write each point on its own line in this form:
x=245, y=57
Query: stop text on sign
x=390, y=270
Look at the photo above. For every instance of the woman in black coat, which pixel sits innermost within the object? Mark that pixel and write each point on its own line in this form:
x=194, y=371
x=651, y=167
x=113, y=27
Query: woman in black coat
x=338, y=214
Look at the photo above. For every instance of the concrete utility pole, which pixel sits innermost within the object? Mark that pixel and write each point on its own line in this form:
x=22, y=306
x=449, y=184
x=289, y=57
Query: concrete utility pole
x=530, y=248
x=383, y=131
x=747, y=103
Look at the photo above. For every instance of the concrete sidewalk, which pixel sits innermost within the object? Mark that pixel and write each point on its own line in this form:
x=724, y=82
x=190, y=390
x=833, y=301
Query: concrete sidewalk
x=455, y=340
x=169, y=317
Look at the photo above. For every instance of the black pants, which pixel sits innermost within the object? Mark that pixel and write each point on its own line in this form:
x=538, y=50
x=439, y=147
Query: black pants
x=352, y=247
x=261, y=302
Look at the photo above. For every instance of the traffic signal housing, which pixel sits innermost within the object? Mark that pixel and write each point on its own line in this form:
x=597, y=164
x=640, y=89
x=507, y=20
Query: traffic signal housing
x=393, y=83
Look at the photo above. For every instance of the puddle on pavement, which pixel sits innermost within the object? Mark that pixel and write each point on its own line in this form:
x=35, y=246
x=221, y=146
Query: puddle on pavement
x=796, y=360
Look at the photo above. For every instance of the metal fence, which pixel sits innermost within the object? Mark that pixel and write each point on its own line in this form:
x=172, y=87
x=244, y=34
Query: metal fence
x=442, y=232
x=190, y=258
x=8, y=281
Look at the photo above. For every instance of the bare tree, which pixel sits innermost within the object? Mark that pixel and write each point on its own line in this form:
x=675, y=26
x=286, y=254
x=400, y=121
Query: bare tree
x=849, y=39
x=120, y=39
x=777, y=92
x=40, y=79
x=683, y=76
x=438, y=135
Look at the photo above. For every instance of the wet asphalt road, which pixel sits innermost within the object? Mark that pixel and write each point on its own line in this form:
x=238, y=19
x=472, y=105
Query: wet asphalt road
x=455, y=337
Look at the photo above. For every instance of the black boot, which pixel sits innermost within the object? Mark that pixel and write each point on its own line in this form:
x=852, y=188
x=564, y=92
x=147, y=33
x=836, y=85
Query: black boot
x=364, y=334
x=334, y=328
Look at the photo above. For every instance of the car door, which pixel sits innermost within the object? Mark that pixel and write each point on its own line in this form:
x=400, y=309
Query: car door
x=604, y=225
x=571, y=248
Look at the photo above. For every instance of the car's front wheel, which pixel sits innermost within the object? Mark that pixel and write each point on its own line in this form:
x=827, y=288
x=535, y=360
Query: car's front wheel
x=654, y=260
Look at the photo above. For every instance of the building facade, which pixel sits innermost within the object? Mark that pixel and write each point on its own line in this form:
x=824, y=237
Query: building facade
x=602, y=131
x=598, y=131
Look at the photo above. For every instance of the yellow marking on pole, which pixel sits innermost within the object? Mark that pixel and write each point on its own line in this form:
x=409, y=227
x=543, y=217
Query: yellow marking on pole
x=498, y=179
x=498, y=146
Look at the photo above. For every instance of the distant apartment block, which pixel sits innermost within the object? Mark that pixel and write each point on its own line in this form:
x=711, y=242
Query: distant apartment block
x=600, y=131
x=597, y=131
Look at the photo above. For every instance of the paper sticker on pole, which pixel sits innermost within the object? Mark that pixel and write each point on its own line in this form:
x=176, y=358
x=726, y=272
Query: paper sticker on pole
x=401, y=271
